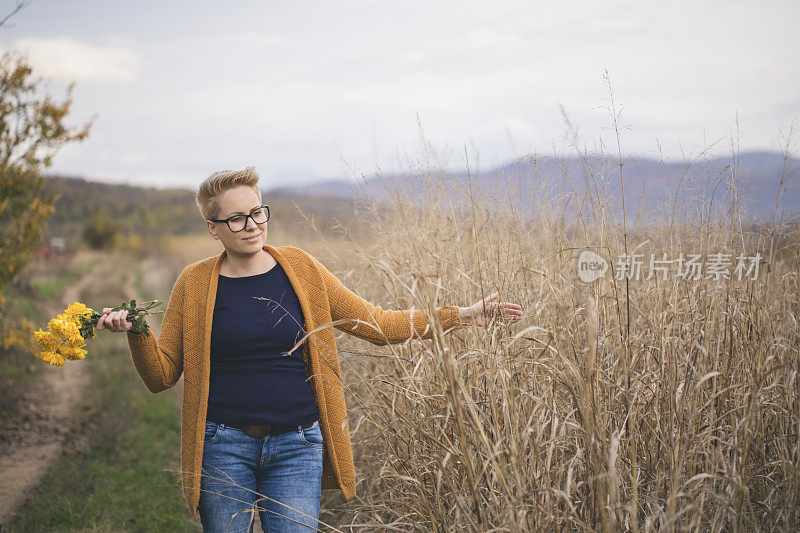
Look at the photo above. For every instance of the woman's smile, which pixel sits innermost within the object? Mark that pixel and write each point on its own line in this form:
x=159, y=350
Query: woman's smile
x=254, y=238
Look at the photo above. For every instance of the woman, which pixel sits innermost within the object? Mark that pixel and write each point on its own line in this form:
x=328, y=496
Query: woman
x=264, y=425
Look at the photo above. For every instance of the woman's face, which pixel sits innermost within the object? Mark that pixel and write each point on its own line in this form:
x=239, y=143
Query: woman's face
x=238, y=201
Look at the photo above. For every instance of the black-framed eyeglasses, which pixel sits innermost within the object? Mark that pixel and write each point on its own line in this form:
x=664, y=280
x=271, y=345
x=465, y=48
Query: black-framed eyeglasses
x=260, y=215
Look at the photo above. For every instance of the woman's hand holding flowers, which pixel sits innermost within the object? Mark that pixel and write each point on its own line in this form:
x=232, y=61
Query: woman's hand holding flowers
x=115, y=321
x=66, y=335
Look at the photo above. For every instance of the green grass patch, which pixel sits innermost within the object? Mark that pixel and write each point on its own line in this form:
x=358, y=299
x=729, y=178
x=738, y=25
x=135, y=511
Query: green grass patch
x=18, y=366
x=116, y=472
x=17, y=363
x=52, y=288
x=22, y=306
x=28, y=297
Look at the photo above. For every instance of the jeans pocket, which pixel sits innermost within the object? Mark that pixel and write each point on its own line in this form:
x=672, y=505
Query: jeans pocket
x=212, y=432
x=311, y=436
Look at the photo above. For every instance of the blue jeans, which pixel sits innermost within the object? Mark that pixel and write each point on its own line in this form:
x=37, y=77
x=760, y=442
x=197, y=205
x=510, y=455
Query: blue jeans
x=276, y=476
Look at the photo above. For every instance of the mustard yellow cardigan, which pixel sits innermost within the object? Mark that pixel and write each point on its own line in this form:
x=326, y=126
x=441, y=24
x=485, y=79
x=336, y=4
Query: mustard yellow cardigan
x=184, y=346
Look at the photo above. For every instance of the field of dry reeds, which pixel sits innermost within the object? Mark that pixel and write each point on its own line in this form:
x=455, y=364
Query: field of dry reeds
x=659, y=404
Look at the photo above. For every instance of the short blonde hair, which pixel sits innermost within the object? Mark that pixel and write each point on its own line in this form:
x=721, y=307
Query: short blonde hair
x=207, y=196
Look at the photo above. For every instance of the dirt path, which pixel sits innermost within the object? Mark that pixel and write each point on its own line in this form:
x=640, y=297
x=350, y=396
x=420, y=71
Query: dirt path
x=36, y=437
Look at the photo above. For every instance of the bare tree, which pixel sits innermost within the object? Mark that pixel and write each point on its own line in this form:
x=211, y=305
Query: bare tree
x=4, y=21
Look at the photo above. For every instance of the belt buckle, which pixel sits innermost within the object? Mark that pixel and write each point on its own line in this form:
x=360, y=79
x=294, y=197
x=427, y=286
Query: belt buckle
x=258, y=432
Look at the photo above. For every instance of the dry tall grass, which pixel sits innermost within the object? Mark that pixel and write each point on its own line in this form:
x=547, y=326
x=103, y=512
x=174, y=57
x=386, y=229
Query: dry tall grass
x=660, y=404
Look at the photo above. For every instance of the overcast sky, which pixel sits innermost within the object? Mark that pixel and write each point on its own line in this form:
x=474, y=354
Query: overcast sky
x=307, y=91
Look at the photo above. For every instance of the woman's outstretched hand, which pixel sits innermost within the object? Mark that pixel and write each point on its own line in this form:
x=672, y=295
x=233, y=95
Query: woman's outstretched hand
x=481, y=312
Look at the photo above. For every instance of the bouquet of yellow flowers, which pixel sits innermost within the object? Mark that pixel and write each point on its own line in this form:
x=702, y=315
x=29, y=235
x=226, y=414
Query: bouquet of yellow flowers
x=66, y=334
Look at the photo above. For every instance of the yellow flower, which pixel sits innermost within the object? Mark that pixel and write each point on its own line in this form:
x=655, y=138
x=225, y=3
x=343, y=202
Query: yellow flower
x=65, y=329
x=53, y=358
x=77, y=342
x=73, y=353
x=75, y=319
x=46, y=340
x=77, y=309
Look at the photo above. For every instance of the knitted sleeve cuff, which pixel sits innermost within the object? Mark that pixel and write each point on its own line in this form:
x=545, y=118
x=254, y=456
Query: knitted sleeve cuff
x=449, y=317
x=139, y=341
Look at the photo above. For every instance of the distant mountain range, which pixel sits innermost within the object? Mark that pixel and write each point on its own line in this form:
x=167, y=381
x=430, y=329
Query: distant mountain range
x=652, y=188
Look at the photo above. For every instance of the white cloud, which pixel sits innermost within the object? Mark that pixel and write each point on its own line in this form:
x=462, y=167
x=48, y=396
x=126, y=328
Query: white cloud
x=65, y=59
x=131, y=158
x=259, y=39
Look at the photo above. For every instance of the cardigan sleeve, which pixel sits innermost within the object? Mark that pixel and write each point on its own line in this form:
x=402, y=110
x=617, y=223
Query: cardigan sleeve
x=377, y=325
x=160, y=363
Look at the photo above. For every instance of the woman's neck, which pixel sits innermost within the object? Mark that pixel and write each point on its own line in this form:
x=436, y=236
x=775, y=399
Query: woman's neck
x=235, y=266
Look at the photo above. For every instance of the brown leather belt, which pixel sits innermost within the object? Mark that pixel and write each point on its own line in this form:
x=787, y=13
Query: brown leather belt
x=260, y=432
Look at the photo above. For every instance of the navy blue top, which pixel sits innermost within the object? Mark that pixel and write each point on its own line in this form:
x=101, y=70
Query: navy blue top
x=252, y=380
